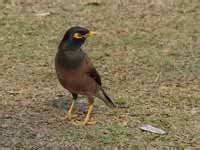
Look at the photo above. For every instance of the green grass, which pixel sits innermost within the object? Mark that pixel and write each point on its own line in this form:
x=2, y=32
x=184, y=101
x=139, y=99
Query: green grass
x=148, y=57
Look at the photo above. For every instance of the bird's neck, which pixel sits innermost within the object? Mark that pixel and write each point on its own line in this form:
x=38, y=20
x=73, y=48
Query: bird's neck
x=69, y=46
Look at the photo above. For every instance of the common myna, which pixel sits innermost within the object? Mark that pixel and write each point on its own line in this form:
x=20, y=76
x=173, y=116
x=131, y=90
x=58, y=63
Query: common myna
x=76, y=72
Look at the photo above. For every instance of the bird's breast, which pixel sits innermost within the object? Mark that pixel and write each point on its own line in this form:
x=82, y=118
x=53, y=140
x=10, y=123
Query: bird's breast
x=69, y=59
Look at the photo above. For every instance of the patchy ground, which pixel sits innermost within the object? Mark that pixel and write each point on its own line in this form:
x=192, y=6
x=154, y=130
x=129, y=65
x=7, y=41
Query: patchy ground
x=147, y=52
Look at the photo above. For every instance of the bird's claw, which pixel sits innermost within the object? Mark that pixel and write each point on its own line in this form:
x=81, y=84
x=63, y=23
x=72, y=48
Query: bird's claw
x=69, y=116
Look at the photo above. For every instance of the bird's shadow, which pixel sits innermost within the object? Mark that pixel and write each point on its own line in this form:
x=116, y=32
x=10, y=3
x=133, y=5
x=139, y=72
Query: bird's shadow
x=64, y=102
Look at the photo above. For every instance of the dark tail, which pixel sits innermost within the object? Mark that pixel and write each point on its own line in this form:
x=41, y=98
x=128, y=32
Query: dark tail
x=103, y=96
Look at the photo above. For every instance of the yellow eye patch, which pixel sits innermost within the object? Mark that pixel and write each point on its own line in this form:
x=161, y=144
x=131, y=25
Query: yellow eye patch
x=77, y=36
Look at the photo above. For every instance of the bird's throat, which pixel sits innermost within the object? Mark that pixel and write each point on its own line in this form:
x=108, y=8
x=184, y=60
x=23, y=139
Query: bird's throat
x=70, y=59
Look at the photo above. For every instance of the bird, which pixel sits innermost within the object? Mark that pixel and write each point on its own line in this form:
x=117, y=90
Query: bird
x=76, y=72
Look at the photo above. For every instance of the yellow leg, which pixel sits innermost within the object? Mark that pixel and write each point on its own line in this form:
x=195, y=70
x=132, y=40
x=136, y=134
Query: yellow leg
x=69, y=113
x=71, y=107
x=87, y=118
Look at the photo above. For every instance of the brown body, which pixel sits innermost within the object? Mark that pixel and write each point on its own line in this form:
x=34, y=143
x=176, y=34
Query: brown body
x=79, y=80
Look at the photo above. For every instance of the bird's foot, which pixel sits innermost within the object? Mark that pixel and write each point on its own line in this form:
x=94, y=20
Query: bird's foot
x=69, y=116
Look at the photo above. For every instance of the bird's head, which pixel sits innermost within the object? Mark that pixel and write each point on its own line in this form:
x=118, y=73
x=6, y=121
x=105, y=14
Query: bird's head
x=75, y=37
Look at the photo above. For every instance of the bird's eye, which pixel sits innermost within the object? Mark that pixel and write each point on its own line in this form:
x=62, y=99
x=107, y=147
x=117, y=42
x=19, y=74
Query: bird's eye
x=77, y=35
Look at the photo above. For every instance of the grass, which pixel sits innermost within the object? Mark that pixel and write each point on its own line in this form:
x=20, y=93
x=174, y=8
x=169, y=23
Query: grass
x=147, y=53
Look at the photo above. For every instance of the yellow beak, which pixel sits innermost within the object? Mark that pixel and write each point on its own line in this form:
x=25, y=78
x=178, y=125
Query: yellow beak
x=78, y=36
x=92, y=33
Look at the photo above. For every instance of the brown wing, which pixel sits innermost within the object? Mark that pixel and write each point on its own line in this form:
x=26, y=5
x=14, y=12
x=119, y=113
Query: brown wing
x=91, y=71
x=93, y=74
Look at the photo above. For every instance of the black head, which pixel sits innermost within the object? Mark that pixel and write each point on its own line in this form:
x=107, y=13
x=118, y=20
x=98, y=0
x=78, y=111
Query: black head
x=74, y=38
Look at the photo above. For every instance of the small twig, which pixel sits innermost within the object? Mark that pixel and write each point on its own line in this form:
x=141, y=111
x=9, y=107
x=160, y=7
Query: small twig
x=158, y=76
x=43, y=14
